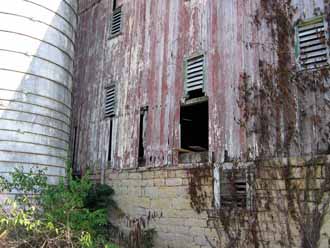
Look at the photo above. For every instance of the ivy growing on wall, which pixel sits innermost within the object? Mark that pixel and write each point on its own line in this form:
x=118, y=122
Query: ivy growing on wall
x=286, y=110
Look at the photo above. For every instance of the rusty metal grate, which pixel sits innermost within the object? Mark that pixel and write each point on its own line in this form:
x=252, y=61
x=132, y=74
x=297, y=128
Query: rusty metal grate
x=116, y=22
x=194, y=74
x=312, y=43
x=110, y=101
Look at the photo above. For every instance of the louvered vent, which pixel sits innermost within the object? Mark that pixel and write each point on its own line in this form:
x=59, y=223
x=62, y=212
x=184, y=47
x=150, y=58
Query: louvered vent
x=313, y=48
x=233, y=188
x=194, y=78
x=110, y=101
x=116, y=22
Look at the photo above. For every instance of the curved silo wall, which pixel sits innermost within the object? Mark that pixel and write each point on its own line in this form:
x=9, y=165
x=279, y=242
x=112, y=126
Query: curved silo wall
x=36, y=67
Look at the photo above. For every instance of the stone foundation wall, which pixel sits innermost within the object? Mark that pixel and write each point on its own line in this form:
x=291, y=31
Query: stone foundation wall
x=290, y=198
x=164, y=198
x=179, y=204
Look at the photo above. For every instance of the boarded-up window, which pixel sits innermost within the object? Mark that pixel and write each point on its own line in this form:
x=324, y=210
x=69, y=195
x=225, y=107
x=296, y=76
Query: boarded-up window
x=235, y=190
x=194, y=76
x=311, y=43
x=110, y=101
x=116, y=22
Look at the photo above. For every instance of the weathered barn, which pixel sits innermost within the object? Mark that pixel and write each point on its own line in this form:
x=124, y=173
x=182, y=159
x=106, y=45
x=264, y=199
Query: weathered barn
x=146, y=62
x=207, y=117
x=165, y=87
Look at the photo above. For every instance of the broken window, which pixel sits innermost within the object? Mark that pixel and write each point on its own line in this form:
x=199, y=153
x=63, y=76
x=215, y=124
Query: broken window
x=142, y=135
x=311, y=43
x=110, y=101
x=194, y=132
x=235, y=186
x=116, y=21
x=194, y=76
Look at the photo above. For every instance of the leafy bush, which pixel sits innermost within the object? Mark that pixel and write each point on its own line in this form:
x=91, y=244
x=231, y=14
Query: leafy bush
x=98, y=197
x=72, y=213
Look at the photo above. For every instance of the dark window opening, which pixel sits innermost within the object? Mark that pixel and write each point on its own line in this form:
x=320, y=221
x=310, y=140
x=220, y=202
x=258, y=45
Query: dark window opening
x=195, y=94
x=194, y=132
x=75, y=168
x=142, y=135
x=110, y=142
x=226, y=156
x=114, y=5
x=194, y=127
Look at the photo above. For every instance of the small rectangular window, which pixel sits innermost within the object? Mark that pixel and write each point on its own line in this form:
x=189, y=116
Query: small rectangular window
x=75, y=167
x=114, y=5
x=194, y=132
x=194, y=76
x=142, y=135
x=116, y=22
x=110, y=101
x=311, y=43
x=110, y=141
x=235, y=187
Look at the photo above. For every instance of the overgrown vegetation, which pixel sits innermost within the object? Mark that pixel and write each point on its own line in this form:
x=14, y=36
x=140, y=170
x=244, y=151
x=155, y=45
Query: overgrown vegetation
x=72, y=213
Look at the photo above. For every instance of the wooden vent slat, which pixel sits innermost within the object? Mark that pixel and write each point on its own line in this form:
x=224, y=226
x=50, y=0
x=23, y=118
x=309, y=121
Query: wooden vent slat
x=313, y=48
x=318, y=24
x=196, y=78
x=315, y=54
x=194, y=84
x=317, y=30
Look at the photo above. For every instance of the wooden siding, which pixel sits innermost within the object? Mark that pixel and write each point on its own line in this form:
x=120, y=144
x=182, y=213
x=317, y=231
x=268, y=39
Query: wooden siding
x=147, y=62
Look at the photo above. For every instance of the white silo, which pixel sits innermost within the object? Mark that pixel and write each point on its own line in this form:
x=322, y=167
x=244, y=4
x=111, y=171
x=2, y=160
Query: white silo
x=36, y=72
